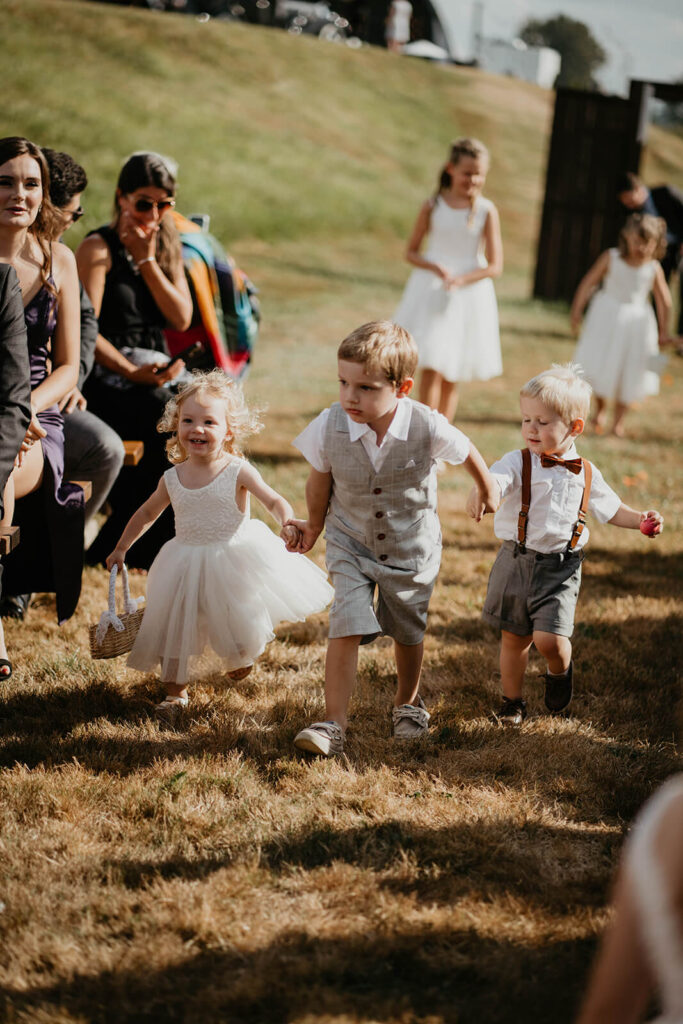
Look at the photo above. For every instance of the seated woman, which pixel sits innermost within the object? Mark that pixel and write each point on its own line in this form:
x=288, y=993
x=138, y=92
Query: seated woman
x=132, y=269
x=49, y=284
x=15, y=398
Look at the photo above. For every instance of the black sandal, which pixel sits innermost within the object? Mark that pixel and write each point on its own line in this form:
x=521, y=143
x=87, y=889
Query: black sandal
x=4, y=662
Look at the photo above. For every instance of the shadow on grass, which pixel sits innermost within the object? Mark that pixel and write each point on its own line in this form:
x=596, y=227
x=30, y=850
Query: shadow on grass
x=414, y=976
x=637, y=572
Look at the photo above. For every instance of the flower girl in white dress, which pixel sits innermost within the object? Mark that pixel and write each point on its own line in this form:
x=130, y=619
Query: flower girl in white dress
x=449, y=304
x=224, y=581
x=619, y=343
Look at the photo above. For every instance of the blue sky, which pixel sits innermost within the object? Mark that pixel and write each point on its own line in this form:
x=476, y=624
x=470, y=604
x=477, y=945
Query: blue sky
x=643, y=38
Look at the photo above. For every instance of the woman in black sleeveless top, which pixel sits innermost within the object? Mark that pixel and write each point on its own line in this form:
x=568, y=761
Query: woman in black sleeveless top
x=132, y=270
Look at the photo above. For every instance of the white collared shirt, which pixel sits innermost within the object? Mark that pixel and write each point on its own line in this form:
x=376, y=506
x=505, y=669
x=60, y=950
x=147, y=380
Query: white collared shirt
x=555, y=501
x=448, y=443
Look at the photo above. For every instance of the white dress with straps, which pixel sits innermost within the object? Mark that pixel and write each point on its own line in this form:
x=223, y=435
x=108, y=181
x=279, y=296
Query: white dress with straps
x=224, y=582
x=618, y=347
x=661, y=926
x=456, y=331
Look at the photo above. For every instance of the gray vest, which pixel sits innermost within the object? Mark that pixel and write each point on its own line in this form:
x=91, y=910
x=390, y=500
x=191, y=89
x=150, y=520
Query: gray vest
x=390, y=511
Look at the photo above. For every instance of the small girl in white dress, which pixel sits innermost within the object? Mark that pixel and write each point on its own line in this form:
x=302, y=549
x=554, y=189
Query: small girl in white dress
x=225, y=581
x=449, y=304
x=619, y=343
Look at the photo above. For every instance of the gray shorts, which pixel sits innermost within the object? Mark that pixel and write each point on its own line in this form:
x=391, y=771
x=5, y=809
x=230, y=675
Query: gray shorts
x=530, y=591
x=399, y=609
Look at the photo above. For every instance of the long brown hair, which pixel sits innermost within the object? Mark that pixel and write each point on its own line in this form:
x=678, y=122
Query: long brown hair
x=151, y=170
x=47, y=223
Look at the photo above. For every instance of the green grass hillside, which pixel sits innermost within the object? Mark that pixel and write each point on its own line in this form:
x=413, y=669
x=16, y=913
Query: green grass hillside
x=211, y=874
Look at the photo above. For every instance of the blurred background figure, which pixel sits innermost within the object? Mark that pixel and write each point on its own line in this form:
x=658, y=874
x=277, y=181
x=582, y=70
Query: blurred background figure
x=398, y=24
x=642, y=952
x=666, y=202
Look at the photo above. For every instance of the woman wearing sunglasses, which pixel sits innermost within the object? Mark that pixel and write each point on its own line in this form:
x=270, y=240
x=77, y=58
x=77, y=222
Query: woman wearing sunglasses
x=132, y=269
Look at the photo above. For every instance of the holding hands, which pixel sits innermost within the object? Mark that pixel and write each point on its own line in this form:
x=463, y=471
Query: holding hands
x=34, y=432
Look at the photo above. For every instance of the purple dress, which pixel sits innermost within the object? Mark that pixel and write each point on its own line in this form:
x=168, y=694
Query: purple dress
x=50, y=555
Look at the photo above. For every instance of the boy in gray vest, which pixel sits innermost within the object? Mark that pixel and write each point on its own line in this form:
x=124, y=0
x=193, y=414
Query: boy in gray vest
x=372, y=486
x=544, y=492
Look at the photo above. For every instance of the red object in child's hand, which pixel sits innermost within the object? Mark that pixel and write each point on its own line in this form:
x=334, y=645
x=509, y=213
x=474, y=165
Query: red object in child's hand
x=649, y=527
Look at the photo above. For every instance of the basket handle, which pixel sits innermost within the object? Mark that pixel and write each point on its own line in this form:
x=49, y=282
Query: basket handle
x=130, y=605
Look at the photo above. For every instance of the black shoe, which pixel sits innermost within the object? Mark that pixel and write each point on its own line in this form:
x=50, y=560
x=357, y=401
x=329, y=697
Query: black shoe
x=558, y=690
x=14, y=606
x=511, y=711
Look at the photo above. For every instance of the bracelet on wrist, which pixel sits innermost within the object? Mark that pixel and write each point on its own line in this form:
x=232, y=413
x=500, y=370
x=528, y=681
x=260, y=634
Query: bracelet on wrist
x=147, y=259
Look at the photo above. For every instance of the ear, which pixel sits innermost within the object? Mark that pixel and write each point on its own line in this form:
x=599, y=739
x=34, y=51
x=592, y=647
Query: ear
x=577, y=427
x=405, y=387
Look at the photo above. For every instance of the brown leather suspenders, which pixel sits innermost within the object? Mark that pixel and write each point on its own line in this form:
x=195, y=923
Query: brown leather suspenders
x=523, y=518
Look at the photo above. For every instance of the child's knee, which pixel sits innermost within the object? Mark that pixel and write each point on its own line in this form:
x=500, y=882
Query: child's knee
x=551, y=645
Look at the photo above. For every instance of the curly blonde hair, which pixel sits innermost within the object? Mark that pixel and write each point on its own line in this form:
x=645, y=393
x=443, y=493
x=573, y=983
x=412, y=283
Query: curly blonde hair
x=241, y=420
x=647, y=228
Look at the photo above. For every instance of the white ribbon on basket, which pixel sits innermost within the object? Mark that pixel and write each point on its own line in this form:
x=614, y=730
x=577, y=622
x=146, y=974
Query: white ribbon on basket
x=110, y=618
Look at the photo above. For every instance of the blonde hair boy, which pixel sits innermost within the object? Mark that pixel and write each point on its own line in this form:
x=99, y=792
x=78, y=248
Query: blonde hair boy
x=544, y=493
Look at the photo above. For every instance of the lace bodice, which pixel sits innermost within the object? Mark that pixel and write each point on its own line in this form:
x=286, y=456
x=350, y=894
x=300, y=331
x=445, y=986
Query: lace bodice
x=628, y=284
x=206, y=515
x=660, y=923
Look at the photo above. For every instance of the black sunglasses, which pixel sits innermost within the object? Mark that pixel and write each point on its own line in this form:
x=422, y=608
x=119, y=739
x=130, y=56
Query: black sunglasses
x=145, y=205
x=76, y=214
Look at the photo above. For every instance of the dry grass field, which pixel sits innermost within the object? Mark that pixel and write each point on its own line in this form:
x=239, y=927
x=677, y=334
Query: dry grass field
x=212, y=874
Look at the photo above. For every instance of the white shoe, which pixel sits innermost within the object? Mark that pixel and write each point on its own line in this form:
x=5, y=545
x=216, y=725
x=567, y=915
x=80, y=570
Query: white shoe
x=410, y=720
x=323, y=738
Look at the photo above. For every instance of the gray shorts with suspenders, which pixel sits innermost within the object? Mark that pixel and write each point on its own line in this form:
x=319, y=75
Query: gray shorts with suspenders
x=532, y=590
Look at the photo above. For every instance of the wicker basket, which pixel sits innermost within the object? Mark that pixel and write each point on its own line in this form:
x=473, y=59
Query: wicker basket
x=115, y=634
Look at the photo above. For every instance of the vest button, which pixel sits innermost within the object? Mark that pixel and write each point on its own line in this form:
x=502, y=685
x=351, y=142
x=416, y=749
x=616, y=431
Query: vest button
x=383, y=558
x=381, y=536
x=377, y=490
x=378, y=515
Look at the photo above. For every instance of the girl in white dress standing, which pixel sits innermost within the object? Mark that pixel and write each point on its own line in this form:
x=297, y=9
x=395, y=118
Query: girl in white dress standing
x=619, y=343
x=224, y=581
x=449, y=304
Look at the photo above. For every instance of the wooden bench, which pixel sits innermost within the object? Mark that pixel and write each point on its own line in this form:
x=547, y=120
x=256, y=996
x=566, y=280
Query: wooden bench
x=134, y=450
x=9, y=539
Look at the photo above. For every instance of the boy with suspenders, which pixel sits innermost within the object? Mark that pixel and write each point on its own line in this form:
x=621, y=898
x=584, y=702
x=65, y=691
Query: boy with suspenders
x=545, y=491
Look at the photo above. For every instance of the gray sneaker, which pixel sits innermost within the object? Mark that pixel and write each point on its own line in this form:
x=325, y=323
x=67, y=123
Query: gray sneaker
x=410, y=720
x=323, y=738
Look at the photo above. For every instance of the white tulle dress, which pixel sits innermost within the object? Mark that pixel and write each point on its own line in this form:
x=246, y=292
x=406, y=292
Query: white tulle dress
x=456, y=331
x=658, y=910
x=618, y=347
x=224, y=582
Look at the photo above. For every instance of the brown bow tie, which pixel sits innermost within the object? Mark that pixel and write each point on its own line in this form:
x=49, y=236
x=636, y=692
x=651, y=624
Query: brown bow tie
x=573, y=465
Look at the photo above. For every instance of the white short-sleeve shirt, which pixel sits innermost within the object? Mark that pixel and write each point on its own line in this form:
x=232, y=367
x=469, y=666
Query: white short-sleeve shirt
x=555, y=501
x=448, y=443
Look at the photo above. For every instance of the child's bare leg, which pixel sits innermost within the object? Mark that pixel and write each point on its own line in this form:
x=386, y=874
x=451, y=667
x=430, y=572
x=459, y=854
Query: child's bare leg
x=341, y=668
x=448, y=401
x=620, y=410
x=430, y=388
x=514, y=657
x=557, y=651
x=600, y=413
x=408, y=668
x=170, y=674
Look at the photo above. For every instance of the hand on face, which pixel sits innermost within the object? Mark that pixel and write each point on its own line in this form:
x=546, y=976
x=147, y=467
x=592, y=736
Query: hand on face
x=139, y=239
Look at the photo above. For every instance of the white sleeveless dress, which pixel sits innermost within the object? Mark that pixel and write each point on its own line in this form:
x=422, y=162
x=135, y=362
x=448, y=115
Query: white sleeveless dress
x=224, y=582
x=618, y=346
x=660, y=925
x=457, y=331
